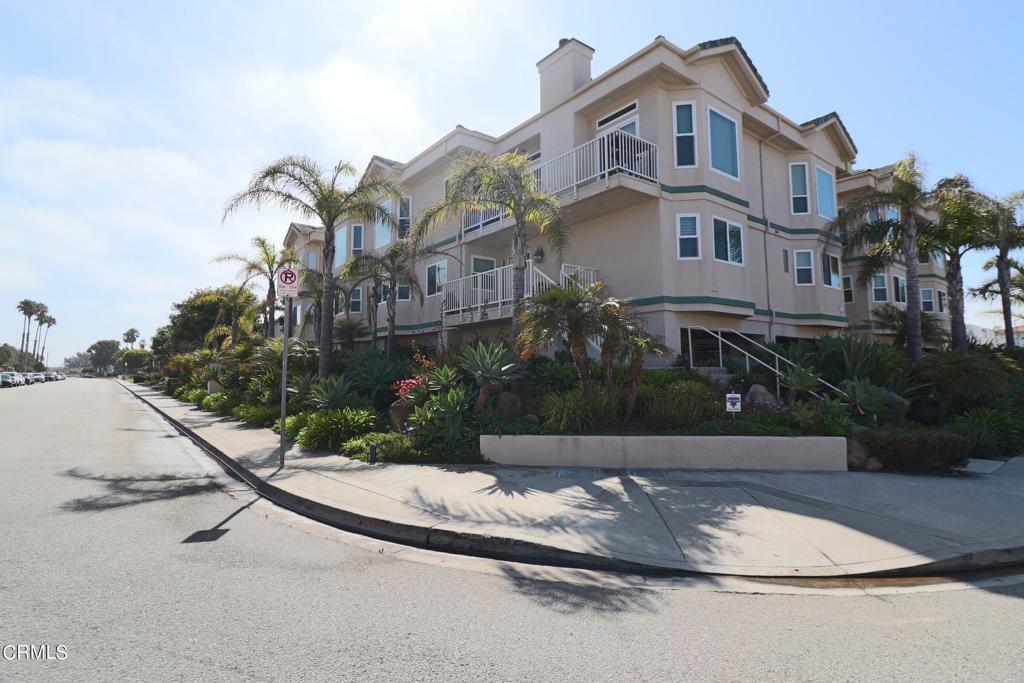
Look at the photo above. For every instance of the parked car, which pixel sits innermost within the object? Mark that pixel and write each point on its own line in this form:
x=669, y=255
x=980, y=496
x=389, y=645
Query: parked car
x=7, y=379
x=38, y=377
x=28, y=378
x=50, y=376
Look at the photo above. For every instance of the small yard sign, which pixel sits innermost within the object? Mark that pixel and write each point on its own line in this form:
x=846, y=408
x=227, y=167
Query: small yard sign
x=732, y=403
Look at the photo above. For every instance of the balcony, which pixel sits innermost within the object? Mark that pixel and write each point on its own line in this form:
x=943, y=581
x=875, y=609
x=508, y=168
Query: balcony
x=488, y=295
x=601, y=162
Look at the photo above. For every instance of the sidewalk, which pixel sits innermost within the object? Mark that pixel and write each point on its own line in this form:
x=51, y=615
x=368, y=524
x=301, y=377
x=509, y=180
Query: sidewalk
x=744, y=523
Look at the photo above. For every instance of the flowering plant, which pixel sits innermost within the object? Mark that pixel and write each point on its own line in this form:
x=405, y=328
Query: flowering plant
x=408, y=388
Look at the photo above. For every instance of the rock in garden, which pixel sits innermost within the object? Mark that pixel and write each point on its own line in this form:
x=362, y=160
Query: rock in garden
x=760, y=401
x=399, y=412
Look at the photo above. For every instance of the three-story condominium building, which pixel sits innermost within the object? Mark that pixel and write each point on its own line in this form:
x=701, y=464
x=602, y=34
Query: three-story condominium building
x=686, y=193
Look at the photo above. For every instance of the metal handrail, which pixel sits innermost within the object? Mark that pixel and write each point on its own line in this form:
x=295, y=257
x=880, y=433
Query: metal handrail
x=782, y=358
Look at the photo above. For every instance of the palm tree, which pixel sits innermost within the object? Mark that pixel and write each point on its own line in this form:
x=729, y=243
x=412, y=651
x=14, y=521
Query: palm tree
x=637, y=344
x=1005, y=233
x=130, y=337
x=891, y=238
x=394, y=268
x=50, y=322
x=27, y=308
x=311, y=285
x=891, y=317
x=573, y=313
x=266, y=263
x=960, y=228
x=346, y=331
x=504, y=183
x=40, y=317
x=299, y=184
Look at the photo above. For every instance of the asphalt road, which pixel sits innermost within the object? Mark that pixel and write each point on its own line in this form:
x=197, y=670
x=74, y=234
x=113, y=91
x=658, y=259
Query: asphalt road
x=97, y=495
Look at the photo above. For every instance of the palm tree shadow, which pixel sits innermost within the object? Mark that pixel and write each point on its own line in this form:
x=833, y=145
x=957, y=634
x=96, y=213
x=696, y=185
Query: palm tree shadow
x=127, y=491
x=573, y=599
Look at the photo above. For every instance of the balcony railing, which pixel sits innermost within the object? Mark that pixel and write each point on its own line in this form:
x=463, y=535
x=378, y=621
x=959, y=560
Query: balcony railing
x=489, y=294
x=599, y=159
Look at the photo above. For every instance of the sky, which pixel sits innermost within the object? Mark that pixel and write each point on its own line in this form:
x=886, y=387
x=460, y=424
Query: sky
x=124, y=126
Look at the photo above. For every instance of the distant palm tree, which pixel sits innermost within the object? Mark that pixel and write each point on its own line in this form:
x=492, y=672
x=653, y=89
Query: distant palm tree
x=50, y=322
x=504, y=184
x=346, y=331
x=893, y=318
x=886, y=240
x=27, y=308
x=40, y=317
x=130, y=337
x=299, y=184
x=1005, y=233
x=394, y=268
x=311, y=286
x=265, y=262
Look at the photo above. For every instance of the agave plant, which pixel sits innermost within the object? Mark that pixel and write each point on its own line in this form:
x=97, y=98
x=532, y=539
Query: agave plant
x=491, y=365
x=442, y=378
x=333, y=391
x=799, y=380
x=300, y=387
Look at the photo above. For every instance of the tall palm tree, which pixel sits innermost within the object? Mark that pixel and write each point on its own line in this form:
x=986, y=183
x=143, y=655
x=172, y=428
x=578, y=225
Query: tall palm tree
x=130, y=336
x=299, y=184
x=265, y=262
x=504, y=183
x=311, y=285
x=963, y=215
x=883, y=239
x=394, y=268
x=1005, y=233
x=50, y=322
x=27, y=308
x=42, y=311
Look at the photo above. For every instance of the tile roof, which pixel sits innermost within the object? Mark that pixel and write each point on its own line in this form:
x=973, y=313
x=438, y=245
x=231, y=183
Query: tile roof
x=732, y=40
x=814, y=123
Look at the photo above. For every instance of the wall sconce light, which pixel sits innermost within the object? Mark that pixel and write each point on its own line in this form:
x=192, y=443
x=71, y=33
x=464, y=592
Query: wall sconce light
x=538, y=255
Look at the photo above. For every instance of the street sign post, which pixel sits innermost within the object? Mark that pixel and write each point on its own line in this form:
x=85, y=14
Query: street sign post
x=287, y=289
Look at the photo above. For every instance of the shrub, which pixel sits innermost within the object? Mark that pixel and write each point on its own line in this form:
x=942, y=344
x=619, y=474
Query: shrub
x=195, y=396
x=569, y=412
x=300, y=388
x=332, y=428
x=255, y=414
x=872, y=404
x=739, y=427
x=916, y=450
x=827, y=417
x=334, y=392
x=662, y=378
x=293, y=424
x=442, y=428
x=682, y=404
x=217, y=402
x=490, y=421
x=391, y=447
x=991, y=432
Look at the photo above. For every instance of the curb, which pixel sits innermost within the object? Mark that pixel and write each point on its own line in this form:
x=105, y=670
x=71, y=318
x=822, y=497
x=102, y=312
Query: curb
x=967, y=558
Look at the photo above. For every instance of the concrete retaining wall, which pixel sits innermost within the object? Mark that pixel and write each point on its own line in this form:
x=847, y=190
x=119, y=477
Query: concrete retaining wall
x=809, y=453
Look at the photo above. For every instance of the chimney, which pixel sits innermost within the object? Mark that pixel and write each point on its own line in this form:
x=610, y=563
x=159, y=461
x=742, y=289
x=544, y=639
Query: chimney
x=564, y=71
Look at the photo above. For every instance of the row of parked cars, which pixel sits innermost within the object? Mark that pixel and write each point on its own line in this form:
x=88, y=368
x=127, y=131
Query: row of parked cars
x=17, y=379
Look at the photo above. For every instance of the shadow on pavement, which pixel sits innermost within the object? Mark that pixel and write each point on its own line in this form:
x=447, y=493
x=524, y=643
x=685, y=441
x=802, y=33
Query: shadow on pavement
x=570, y=599
x=127, y=490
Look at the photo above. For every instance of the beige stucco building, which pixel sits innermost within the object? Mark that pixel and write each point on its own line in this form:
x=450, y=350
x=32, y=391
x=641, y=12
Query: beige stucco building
x=687, y=194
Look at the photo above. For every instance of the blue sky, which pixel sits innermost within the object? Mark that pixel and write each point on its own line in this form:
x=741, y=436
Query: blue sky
x=124, y=126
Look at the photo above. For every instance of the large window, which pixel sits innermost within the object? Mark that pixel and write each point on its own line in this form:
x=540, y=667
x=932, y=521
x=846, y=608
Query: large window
x=799, y=202
x=830, y=271
x=437, y=275
x=688, y=236
x=942, y=301
x=382, y=234
x=310, y=259
x=825, y=184
x=847, y=289
x=404, y=292
x=685, y=135
x=723, y=134
x=623, y=119
x=879, y=290
x=357, y=239
x=803, y=259
x=728, y=241
x=899, y=289
x=404, y=216
x=928, y=300
x=340, y=247
x=355, y=300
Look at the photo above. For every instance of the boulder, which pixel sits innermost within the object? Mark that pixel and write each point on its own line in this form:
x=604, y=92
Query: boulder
x=532, y=419
x=873, y=464
x=399, y=411
x=759, y=400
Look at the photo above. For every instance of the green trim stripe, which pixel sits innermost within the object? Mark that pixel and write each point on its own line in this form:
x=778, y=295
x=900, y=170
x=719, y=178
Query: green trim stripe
x=688, y=189
x=663, y=299
x=407, y=328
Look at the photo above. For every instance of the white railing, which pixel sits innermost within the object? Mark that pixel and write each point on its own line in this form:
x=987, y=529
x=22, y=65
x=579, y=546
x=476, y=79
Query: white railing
x=489, y=294
x=615, y=152
x=584, y=276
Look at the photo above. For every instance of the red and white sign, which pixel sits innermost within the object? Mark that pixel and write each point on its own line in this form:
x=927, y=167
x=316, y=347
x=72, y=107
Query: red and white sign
x=287, y=283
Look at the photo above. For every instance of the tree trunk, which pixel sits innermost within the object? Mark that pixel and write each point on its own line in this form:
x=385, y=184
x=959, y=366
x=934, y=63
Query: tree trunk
x=1003, y=274
x=42, y=353
x=35, y=344
x=325, y=324
x=518, y=272
x=25, y=327
x=481, y=398
x=268, y=327
x=578, y=350
x=955, y=292
x=392, y=306
x=372, y=313
x=636, y=363
x=915, y=344
x=608, y=363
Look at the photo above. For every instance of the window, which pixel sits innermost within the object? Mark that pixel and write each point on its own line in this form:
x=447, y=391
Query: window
x=728, y=241
x=825, y=184
x=803, y=260
x=340, y=246
x=830, y=271
x=437, y=275
x=355, y=300
x=310, y=259
x=357, y=239
x=899, y=289
x=785, y=260
x=940, y=259
x=723, y=135
x=879, y=291
x=685, y=134
x=942, y=301
x=688, y=236
x=482, y=264
x=382, y=235
x=798, y=195
x=928, y=300
x=404, y=290
x=337, y=302
x=922, y=256
x=619, y=118
x=847, y=289
x=404, y=216
x=530, y=158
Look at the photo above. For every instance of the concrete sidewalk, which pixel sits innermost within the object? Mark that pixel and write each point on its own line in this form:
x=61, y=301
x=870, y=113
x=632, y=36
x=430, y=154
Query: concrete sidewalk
x=744, y=523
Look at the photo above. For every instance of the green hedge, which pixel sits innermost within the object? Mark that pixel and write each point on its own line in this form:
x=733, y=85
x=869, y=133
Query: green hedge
x=916, y=450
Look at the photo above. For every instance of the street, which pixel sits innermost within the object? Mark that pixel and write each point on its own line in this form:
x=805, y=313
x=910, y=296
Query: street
x=99, y=495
